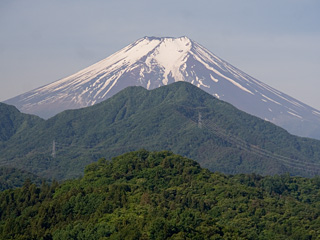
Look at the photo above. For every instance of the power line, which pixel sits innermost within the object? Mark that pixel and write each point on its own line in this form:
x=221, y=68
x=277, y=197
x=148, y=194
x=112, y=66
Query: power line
x=240, y=143
x=211, y=126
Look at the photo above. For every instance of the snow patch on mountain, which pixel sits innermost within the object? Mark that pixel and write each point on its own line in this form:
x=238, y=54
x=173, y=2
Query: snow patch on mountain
x=296, y=115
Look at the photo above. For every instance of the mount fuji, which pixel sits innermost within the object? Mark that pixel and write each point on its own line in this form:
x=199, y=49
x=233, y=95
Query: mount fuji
x=152, y=62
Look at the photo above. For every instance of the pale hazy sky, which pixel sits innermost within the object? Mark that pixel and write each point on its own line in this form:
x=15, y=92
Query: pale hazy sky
x=275, y=41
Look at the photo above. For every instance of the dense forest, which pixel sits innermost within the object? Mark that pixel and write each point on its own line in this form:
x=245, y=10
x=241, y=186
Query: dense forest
x=179, y=117
x=160, y=195
x=12, y=178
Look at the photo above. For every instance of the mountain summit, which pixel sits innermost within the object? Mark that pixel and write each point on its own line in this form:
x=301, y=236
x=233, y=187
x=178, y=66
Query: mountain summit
x=152, y=62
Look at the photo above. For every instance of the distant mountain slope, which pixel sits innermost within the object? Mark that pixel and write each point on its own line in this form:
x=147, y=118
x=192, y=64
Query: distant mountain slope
x=178, y=117
x=152, y=62
x=13, y=122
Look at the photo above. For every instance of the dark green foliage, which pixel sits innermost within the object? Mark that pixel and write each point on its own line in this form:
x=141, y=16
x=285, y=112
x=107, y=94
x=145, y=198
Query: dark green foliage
x=12, y=178
x=13, y=122
x=225, y=140
x=160, y=195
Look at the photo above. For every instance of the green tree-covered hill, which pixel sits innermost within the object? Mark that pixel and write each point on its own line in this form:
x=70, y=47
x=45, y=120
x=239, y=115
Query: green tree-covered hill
x=160, y=195
x=12, y=178
x=13, y=122
x=179, y=117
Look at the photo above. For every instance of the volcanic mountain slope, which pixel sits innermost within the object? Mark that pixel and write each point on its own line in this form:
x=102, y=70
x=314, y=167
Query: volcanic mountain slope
x=179, y=117
x=152, y=62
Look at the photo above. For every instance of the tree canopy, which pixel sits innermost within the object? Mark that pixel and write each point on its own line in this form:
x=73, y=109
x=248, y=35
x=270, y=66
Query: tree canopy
x=160, y=195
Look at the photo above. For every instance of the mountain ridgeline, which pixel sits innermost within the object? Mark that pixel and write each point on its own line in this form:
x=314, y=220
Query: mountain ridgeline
x=152, y=62
x=13, y=122
x=160, y=195
x=179, y=117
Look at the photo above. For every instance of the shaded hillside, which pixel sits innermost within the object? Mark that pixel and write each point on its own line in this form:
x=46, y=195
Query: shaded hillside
x=13, y=122
x=12, y=178
x=179, y=117
x=160, y=195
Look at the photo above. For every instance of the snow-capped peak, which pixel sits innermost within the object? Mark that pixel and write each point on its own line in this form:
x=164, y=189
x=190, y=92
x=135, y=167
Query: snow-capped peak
x=152, y=62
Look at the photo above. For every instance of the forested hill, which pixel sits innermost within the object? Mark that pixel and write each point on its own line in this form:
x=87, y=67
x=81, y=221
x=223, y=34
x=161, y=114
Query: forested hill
x=179, y=117
x=12, y=177
x=160, y=195
x=13, y=122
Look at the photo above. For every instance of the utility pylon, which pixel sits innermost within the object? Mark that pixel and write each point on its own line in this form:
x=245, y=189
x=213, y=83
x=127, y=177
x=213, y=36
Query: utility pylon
x=199, y=120
x=54, y=149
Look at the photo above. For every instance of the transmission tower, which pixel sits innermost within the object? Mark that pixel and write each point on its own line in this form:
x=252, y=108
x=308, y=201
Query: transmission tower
x=199, y=120
x=54, y=149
